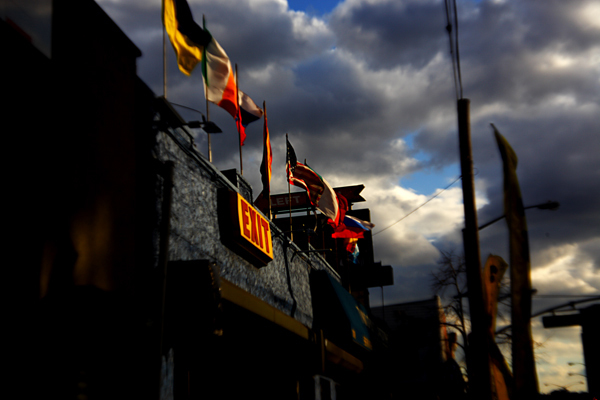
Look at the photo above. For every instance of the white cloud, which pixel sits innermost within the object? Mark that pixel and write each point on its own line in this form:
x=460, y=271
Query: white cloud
x=589, y=15
x=565, y=270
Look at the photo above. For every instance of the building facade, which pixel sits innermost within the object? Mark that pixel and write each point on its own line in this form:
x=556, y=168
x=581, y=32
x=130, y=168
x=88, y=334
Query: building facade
x=147, y=272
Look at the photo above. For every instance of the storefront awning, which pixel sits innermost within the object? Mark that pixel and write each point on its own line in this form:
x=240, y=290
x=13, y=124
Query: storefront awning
x=260, y=308
x=337, y=312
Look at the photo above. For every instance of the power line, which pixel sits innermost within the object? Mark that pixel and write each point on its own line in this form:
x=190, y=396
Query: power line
x=457, y=51
x=431, y=198
x=570, y=304
x=566, y=295
x=450, y=8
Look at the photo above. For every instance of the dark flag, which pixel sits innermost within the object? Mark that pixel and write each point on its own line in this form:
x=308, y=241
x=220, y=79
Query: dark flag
x=291, y=159
x=264, y=199
x=188, y=39
x=525, y=378
x=320, y=193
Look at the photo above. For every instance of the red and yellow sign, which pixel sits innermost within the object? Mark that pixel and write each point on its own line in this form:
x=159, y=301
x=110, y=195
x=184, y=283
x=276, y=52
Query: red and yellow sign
x=244, y=229
x=254, y=227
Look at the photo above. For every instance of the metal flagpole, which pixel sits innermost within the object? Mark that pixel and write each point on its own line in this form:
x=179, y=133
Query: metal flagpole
x=289, y=190
x=164, y=59
x=308, y=213
x=267, y=167
x=208, y=119
x=239, y=116
x=206, y=93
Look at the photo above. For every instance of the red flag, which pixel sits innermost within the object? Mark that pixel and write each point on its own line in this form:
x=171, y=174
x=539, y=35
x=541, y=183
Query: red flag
x=347, y=233
x=264, y=199
x=352, y=227
x=350, y=244
x=248, y=112
x=267, y=160
x=240, y=127
x=338, y=223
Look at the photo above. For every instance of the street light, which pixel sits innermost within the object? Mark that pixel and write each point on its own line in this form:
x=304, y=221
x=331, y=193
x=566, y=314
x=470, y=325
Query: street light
x=207, y=126
x=549, y=205
x=575, y=363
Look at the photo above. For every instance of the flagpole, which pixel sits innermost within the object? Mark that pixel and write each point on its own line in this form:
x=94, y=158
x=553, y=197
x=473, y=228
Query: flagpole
x=208, y=134
x=289, y=190
x=164, y=59
x=206, y=93
x=239, y=115
x=308, y=214
x=267, y=166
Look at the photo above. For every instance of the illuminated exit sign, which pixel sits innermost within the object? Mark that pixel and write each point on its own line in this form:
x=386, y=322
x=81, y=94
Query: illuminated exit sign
x=244, y=229
x=254, y=227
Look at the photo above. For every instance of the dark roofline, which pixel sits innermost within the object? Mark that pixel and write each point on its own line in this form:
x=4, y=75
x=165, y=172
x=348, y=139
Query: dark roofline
x=434, y=298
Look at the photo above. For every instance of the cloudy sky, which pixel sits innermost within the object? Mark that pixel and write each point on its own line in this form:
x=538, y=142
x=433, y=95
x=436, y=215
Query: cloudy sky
x=365, y=90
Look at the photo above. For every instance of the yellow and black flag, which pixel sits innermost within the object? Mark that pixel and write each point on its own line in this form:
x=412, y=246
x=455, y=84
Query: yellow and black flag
x=187, y=37
x=524, y=373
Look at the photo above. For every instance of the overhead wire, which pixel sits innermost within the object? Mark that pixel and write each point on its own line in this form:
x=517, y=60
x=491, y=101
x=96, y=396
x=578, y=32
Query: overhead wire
x=457, y=50
x=428, y=200
x=452, y=14
x=567, y=295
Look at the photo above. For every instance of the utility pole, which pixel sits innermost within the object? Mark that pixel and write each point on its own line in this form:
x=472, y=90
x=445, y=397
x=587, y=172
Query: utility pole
x=478, y=362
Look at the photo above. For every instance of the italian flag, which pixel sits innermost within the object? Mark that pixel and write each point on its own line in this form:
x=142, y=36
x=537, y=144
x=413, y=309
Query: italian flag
x=220, y=88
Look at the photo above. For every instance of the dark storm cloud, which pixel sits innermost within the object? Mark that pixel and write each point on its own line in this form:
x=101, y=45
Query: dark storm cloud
x=555, y=163
x=324, y=102
x=528, y=68
x=388, y=34
x=258, y=33
x=519, y=25
x=347, y=88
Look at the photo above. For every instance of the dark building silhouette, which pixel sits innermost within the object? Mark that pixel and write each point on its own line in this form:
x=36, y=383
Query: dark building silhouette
x=418, y=347
x=131, y=278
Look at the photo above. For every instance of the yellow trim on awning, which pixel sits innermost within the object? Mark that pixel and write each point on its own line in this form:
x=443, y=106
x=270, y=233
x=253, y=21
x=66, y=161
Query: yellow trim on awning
x=339, y=356
x=253, y=304
x=242, y=298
